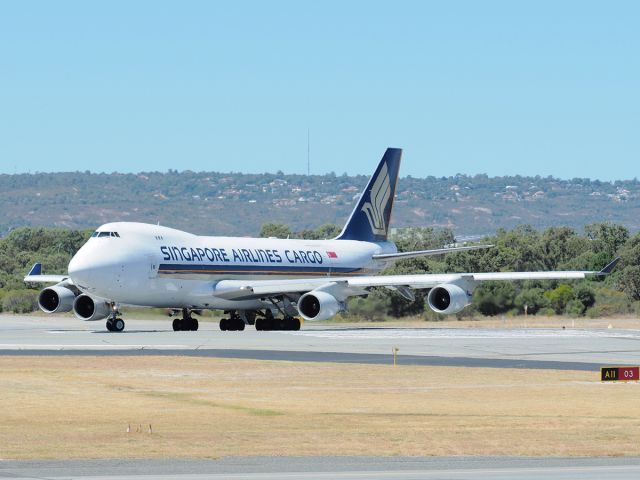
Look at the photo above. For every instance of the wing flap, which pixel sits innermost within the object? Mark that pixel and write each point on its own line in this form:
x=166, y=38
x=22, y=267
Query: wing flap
x=240, y=289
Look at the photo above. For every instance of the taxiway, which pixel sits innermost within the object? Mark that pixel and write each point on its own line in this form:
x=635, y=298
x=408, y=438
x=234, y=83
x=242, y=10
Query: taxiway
x=563, y=349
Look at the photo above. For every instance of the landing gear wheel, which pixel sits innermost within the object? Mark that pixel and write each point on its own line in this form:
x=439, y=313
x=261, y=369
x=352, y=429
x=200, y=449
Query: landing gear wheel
x=232, y=324
x=110, y=325
x=118, y=325
x=292, y=323
x=186, y=323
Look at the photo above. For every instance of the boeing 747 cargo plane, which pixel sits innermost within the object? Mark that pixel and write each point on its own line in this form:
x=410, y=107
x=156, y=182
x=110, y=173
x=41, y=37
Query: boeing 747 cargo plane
x=265, y=282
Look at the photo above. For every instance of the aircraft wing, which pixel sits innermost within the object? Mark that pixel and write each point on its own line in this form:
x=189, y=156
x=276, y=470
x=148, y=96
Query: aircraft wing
x=241, y=289
x=35, y=276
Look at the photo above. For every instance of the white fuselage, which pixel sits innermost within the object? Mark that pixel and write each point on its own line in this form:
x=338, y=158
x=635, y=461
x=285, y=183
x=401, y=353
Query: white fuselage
x=156, y=266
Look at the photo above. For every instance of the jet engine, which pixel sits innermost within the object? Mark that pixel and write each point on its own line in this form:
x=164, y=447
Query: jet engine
x=90, y=309
x=448, y=298
x=56, y=299
x=318, y=305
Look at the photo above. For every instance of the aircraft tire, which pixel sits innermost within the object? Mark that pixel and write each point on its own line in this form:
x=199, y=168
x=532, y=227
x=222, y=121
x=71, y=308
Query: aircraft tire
x=177, y=324
x=240, y=324
x=293, y=324
x=118, y=325
x=223, y=324
x=194, y=325
x=110, y=325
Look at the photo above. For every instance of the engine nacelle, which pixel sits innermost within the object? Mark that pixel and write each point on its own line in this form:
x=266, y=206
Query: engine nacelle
x=448, y=298
x=89, y=309
x=318, y=305
x=56, y=299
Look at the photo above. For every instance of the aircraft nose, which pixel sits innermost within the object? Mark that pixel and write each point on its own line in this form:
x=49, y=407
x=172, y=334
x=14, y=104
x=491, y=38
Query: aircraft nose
x=81, y=268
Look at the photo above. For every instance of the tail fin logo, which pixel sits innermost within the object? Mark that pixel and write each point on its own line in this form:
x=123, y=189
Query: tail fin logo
x=379, y=197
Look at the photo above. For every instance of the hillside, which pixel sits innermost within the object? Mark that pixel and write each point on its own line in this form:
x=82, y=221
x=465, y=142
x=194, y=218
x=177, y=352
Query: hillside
x=238, y=204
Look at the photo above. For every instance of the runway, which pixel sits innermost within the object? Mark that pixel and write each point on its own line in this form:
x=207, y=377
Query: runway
x=563, y=349
x=335, y=468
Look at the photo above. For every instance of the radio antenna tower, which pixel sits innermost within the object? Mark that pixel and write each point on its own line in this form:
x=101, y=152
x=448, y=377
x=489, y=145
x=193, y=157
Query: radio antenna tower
x=308, y=152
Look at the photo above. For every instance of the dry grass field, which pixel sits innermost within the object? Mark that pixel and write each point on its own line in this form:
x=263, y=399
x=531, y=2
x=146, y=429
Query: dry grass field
x=80, y=407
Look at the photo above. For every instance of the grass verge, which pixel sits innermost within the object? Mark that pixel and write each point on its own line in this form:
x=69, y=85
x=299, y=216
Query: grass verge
x=80, y=407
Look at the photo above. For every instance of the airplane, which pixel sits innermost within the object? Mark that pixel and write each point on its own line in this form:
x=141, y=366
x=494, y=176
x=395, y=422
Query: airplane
x=265, y=282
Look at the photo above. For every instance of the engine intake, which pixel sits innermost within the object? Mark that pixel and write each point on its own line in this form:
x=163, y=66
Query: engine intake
x=89, y=309
x=318, y=305
x=56, y=299
x=448, y=298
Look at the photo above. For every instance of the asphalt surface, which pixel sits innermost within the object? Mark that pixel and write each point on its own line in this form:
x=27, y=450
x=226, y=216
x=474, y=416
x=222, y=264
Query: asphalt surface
x=562, y=349
x=335, y=468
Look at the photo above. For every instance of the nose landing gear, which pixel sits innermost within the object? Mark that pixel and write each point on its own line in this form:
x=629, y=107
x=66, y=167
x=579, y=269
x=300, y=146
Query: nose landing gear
x=115, y=324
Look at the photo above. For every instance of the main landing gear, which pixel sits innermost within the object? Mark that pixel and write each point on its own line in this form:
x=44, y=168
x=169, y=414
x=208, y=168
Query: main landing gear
x=115, y=324
x=186, y=323
x=262, y=321
x=271, y=323
x=234, y=323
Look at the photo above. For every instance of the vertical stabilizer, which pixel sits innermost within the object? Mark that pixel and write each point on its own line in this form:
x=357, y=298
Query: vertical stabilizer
x=369, y=220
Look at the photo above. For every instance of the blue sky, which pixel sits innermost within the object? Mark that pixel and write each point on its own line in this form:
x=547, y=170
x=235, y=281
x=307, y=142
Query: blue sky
x=530, y=88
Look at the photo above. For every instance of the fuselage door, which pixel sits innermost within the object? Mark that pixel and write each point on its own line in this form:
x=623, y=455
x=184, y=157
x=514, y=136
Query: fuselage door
x=153, y=266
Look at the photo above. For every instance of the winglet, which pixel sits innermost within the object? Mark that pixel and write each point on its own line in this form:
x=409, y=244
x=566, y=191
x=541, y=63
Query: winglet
x=609, y=267
x=35, y=270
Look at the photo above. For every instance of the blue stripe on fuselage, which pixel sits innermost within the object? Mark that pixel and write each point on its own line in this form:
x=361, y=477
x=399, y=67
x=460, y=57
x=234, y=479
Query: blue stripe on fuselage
x=173, y=268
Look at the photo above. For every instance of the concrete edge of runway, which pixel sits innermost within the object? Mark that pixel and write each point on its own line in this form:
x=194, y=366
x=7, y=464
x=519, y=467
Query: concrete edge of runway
x=310, y=356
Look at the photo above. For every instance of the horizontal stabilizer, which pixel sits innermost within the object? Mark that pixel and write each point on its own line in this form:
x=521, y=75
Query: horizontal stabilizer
x=609, y=267
x=425, y=253
x=35, y=276
x=35, y=270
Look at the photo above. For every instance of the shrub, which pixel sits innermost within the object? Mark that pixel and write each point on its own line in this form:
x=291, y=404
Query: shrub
x=575, y=308
x=371, y=308
x=533, y=298
x=559, y=297
x=20, y=301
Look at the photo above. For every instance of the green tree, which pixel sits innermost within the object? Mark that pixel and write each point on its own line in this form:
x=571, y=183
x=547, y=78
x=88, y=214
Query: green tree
x=494, y=298
x=575, y=308
x=585, y=295
x=559, y=297
x=533, y=298
x=373, y=307
x=276, y=230
x=629, y=281
x=606, y=238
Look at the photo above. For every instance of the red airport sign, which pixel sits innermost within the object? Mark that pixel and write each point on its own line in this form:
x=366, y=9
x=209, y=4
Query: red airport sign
x=620, y=374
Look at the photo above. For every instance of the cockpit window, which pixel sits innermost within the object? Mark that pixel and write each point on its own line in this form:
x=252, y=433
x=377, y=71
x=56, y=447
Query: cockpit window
x=105, y=234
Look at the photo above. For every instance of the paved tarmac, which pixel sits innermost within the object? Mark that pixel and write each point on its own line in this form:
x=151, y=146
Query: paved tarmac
x=565, y=349
x=334, y=468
